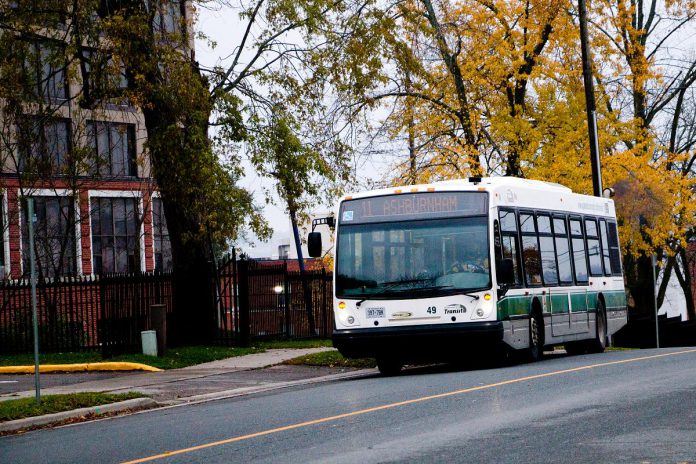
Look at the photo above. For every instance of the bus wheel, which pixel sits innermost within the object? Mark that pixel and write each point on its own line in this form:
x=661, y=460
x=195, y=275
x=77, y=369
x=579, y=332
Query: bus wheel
x=575, y=348
x=388, y=367
x=600, y=342
x=536, y=338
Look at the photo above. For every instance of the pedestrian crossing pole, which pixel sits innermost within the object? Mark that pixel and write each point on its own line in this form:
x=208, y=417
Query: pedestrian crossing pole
x=35, y=320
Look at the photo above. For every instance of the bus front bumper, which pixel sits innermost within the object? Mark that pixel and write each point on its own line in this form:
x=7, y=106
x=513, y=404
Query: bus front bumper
x=420, y=342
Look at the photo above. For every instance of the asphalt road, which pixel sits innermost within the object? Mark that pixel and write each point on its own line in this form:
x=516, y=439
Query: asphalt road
x=630, y=406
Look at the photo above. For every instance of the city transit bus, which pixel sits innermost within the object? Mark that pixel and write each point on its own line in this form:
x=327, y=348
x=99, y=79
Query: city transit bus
x=456, y=269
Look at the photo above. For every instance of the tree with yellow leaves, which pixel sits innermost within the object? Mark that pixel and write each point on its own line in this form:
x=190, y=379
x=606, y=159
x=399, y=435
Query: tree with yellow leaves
x=493, y=87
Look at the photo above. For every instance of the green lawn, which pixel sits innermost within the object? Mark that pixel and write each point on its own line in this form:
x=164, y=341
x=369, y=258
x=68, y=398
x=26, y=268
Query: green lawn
x=331, y=359
x=27, y=407
x=175, y=358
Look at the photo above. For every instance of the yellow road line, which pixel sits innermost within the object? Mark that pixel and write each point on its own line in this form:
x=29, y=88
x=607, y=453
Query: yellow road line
x=397, y=404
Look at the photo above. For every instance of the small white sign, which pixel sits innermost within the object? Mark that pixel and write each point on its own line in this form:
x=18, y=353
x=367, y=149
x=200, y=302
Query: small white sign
x=348, y=215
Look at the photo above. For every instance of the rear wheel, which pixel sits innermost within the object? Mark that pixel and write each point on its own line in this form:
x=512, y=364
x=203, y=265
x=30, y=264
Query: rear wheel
x=389, y=366
x=575, y=348
x=599, y=344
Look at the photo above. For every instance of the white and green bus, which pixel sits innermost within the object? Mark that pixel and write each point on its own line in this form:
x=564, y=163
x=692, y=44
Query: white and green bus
x=455, y=269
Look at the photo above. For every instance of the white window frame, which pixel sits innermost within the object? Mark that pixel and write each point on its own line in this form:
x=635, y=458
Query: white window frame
x=118, y=194
x=78, y=232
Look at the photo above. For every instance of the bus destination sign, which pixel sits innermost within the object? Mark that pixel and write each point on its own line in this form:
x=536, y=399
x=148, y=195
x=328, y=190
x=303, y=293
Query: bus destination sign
x=410, y=206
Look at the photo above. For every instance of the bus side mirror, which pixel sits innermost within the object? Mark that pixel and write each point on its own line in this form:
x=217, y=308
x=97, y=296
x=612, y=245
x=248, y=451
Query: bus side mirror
x=504, y=272
x=314, y=244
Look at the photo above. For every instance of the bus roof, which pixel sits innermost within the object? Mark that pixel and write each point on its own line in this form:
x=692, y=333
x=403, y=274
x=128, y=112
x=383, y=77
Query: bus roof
x=510, y=191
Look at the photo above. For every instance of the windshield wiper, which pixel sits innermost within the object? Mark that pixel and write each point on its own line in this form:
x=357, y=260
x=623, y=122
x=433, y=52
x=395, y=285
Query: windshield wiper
x=390, y=289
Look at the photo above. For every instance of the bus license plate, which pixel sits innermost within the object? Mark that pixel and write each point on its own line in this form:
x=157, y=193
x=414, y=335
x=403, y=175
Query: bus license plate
x=373, y=313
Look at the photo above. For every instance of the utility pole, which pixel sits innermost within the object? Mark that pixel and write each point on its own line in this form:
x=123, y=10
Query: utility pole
x=590, y=100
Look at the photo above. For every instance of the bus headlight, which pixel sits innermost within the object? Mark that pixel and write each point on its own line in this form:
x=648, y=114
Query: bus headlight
x=346, y=318
x=482, y=312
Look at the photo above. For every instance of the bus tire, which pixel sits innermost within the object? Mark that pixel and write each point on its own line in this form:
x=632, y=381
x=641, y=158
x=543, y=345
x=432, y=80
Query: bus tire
x=599, y=344
x=575, y=348
x=388, y=366
x=536, y=338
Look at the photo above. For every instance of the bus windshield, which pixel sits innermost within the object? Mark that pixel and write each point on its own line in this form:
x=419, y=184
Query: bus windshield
x=413, y=258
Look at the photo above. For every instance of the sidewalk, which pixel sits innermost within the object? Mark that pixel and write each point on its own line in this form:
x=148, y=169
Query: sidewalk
x=215, y=380
x=224, y=378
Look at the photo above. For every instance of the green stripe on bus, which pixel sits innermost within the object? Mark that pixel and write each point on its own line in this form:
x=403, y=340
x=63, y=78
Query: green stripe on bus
x=557, y=303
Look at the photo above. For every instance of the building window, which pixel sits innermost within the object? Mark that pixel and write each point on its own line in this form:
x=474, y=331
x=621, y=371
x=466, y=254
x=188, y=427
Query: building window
x=44, y=71
x=115, y=235
x=54, y=236
x=106, y=78
x=44, y=145
x=169, y=18
x=160, y=237
x=114, y=148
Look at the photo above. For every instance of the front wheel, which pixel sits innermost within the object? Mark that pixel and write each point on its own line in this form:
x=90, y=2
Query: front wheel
x=536, y=339
x=388, y=367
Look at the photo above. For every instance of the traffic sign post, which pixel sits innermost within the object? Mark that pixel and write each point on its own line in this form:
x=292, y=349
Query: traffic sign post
x=35, y=320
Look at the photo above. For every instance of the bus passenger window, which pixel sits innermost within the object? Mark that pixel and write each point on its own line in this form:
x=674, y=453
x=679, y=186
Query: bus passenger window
x=510, y=243
x=565, y=270
x=548, y=251
x=579, y=257
x=605, y=247
x=614, y=250
x=530, y=250
x=593, y=248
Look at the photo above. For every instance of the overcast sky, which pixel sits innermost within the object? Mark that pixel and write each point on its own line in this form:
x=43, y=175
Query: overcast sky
x=223, y=27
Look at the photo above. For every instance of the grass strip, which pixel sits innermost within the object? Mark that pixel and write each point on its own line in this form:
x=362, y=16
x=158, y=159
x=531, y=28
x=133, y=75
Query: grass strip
x=331, y=359
x=175, y=358
x=27, y=407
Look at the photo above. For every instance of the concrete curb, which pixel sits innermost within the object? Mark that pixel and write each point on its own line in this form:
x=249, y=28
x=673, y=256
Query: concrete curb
x=31, y=422
x=226, y=394
x=81, y=367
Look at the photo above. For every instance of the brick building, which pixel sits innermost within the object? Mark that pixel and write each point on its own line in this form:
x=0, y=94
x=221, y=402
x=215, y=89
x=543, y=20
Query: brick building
x=103, y=214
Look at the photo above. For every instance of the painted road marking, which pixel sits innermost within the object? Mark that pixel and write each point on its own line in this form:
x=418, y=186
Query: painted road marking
x=168, y=454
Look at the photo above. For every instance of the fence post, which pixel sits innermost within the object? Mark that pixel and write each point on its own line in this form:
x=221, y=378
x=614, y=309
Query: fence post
x=243, y=276
x=103, y=327
x=158, y=316
x=286, y=299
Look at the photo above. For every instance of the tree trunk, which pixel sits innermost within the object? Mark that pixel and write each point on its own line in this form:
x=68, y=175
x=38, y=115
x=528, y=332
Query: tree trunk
x=176, y=117
x=639, y=277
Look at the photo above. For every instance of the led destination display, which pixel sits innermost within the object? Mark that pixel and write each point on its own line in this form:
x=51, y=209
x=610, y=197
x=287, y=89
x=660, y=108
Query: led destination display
x=409, y=206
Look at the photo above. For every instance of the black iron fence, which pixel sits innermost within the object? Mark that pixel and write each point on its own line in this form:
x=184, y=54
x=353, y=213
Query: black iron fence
x=253, y=299
x=67, y=313
x=81, y=313
x=126, y=302
x=259, y=299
